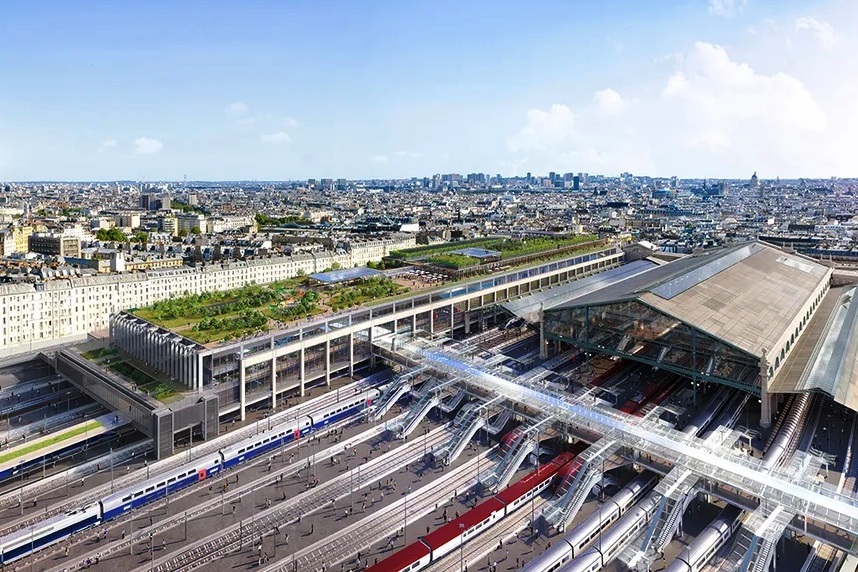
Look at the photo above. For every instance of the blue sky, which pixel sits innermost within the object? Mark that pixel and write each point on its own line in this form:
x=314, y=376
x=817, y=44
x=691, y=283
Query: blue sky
x=294, y=89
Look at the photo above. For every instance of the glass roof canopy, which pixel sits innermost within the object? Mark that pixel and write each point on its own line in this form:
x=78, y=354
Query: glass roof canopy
x=793, y=489
x=634, y=330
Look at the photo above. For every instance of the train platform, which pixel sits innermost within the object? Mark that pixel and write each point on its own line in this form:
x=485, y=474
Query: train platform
x=11, y=460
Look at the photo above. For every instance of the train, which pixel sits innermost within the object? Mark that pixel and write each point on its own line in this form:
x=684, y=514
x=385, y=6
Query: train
x=453, y=534
x=34, y=459
x=609, y=543
x=708, y=542
x=27, y=540
x=653, y=392
x=574, y=542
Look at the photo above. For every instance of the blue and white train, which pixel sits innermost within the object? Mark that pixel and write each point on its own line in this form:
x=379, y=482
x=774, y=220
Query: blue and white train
x=22, y=542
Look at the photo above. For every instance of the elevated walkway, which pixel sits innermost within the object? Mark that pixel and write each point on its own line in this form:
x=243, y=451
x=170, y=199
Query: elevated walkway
x=676, y=491
x=577, y=485
x=825, y=508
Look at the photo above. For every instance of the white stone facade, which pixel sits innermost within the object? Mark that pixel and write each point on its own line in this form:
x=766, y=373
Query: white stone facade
x=36, y=315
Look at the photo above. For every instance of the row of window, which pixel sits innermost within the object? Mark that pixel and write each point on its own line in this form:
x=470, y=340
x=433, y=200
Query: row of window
x=168, y=482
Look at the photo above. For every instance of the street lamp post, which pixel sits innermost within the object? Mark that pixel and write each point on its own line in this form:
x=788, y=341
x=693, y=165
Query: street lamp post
x=461, y=547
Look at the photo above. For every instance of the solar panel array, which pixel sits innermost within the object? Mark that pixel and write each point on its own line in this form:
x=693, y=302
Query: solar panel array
x=688, y=280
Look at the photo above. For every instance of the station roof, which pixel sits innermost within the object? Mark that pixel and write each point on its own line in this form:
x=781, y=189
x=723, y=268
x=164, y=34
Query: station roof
x=825, y=357
x=346, y=275
x=746, y=295
x=528, y=306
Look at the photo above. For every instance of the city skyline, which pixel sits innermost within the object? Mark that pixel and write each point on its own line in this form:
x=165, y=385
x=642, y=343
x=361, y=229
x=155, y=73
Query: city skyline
x=717, y=88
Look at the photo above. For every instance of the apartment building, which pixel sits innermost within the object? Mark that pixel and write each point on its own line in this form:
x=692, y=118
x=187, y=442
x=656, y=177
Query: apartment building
x=37, y=315
x=53, y=244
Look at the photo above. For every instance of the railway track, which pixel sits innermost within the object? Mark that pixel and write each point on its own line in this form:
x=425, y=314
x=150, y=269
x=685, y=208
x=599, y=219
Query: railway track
x=482, y=545
x=381, y=524
x=234, y=495
x=213, y=546
x=208, y=447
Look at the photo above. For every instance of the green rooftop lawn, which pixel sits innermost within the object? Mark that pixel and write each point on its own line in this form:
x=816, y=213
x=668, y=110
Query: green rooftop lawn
x=99, y=353
x=454, y=261
x=508, y=248
x=59, y=437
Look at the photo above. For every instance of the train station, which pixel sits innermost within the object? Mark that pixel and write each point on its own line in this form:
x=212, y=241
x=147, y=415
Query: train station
x=618, y=410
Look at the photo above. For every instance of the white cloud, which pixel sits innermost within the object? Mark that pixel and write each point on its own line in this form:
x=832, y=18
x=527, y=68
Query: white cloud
x=147, y=146
x=609, y=101
x=713, y=115
x=236, y=108
x=379, y=158
x=545, y=130
x=720, y=96
x=822, y=31
x=726, y=8
x=277, y=138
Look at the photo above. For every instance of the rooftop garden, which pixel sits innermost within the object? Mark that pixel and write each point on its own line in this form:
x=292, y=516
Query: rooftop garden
x=509, y=248
x=364, y=291
x=222, y=316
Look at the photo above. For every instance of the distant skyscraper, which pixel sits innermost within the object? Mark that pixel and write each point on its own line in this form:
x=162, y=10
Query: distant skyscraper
x=576, y=183
x=755, y=181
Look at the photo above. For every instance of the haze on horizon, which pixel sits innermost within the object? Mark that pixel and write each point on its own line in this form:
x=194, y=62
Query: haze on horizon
x=273, y=90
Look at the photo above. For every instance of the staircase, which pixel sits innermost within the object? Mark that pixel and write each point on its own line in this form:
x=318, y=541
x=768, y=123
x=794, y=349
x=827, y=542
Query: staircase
x=574, y=489
x=469, y=421
x=676, y=490
x=403, y=427
x=453, y=402
x=752, y=549
x=513, y=460
x=496, y=425
x=389, y=398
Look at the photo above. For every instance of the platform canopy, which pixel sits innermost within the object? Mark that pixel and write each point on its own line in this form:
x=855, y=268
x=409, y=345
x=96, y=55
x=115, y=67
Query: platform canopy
x=826, y=357
x=708, y=316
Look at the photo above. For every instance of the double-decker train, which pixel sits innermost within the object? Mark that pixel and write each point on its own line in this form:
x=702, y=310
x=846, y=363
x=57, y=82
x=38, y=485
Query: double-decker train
x=29, y=539
x=574, y=542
